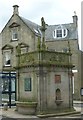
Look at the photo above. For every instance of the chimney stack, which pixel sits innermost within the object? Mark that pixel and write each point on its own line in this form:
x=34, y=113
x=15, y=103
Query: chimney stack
x=75, y=19
x=15, y=9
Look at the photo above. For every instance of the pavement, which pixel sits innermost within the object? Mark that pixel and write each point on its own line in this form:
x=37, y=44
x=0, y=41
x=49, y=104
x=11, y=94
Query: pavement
x=12, y=113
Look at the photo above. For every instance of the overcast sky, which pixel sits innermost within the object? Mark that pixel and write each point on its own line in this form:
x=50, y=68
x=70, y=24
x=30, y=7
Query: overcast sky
x=54, y=11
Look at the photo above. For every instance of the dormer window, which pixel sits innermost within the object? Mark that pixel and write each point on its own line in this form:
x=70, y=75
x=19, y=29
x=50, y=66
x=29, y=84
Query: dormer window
x=60, y=32
x=14, y=34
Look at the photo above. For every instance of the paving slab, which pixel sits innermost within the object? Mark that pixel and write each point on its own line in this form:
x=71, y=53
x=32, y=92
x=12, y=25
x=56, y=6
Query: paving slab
x=12, y=113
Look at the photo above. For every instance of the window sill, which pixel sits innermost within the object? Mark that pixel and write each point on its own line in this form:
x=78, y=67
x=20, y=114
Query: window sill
x=7, y=65
x=13, y=40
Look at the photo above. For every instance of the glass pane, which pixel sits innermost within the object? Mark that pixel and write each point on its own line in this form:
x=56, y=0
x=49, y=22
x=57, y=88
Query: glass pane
x=5, y=84
x=59, y=33
x=27, y=84
x=5, y=98
x=13, y=98
x=14, y=34
x=64, y=32
x=13, y=74
x=12, y=84
x=7, y=58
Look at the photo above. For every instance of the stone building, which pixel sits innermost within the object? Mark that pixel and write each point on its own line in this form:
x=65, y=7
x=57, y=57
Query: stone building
x=0, y=52
x=57, y=38
x=41, y=56
x=81, y=72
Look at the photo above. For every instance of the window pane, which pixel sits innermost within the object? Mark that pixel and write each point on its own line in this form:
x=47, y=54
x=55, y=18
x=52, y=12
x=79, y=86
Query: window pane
x=5, y=98
x=12, y=84
x=13, y=98
x=54, y=33
x=27, y=84
x=64, y=32
x=57, y=78
x=14, y=34
x=7, y=58
x=59, y=33
x=5, y=85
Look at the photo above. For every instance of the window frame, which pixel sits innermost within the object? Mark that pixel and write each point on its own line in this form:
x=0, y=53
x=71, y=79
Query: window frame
x=5, y=57
x=57, y=78
x=60, y=33
x=27, y=81
x=14, y=34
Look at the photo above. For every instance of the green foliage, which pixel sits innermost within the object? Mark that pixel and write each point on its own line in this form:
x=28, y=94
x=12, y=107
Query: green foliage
x=18, y=50
x=43, y=44
x=39, y=43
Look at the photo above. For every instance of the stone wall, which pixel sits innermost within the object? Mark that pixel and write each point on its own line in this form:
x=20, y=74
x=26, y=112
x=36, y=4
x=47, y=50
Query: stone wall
x=25, y=35
x=60, y=45
x=43, y=87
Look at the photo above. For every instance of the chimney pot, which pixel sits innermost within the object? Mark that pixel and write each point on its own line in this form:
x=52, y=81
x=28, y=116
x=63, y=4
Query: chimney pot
x=15, y=9
x=75, y=19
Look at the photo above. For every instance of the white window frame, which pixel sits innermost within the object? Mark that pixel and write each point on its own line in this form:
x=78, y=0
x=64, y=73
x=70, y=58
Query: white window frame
x=63, y=36
x=7, y=56
x=14, y=34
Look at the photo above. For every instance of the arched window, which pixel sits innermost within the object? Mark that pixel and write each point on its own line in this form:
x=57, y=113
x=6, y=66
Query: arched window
x=58, y=94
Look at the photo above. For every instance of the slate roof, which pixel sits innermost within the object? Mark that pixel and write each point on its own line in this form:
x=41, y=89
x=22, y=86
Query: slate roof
x=72, y=30
x=33, y=26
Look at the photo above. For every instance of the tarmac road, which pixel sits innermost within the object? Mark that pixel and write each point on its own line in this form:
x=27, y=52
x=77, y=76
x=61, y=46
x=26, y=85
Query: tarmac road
x=41, y=118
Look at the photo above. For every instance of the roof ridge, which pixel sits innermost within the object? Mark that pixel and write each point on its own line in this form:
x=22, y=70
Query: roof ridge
x=61, y=24
x=29, y=20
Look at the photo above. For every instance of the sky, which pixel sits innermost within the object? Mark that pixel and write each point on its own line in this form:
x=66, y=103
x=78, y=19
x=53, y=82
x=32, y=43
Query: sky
x=53, y=11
